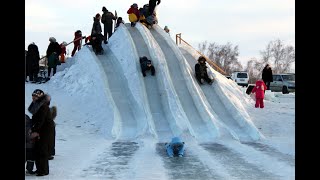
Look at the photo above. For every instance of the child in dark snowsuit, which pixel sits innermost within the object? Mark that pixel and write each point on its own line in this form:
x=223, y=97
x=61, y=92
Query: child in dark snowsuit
x=201, y=71
x=146, y=65
x=259, y=91
x=30, y=154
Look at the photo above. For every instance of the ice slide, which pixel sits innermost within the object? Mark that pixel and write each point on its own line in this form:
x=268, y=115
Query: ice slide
x=202, y=123
x=155, y=88
x=226, y=110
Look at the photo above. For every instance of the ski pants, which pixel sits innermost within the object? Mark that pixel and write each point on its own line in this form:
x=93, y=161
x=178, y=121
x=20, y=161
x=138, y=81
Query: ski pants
x=75, y=48
x=153, y=71
x=259, y=103
x=54, y=70
x=107, y=31
x=205, y=77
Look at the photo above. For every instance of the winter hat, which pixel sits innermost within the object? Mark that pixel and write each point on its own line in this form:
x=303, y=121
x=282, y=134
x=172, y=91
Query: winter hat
x=201, y=58
x=38, y=93
x=52, y=39
x=104, y=9
x=135, y=5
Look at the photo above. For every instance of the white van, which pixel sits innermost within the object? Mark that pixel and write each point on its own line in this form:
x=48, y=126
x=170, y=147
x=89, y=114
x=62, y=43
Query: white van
x=240, y=77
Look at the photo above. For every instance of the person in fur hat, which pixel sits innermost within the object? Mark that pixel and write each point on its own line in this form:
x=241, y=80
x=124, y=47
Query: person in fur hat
x=43, y=126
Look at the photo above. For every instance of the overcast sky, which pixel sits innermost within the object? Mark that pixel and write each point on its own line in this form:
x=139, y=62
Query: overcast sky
x=250, y=24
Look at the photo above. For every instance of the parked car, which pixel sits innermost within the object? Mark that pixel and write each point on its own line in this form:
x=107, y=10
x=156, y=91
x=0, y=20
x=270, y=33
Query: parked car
x=240, y=77
x=284, y=83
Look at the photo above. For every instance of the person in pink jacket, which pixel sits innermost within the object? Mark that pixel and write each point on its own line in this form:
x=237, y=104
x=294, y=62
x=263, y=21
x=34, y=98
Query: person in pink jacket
x=259, y=91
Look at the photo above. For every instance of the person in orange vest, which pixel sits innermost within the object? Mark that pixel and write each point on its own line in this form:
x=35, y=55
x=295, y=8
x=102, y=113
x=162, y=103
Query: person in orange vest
x=63, y=52
x=77, y=38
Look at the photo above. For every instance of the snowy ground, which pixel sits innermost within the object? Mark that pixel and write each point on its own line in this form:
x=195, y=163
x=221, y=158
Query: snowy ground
x=107, y=126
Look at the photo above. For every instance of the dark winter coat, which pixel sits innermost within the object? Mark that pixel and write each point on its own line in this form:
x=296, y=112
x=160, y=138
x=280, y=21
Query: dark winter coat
x=53, y=60
x=29, y=124
x=201, y=69
x=32, y=58
x=267, y=75
x=43, y=124
x=107, y=18
x=144, y=61
x=77, y=35
x=152, y=5
x=53, y=47
x=96, y=27
x=154, y=2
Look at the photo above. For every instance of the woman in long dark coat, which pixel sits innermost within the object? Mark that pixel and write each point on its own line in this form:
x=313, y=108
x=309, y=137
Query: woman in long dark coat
x=267, y=75
x=44, y=126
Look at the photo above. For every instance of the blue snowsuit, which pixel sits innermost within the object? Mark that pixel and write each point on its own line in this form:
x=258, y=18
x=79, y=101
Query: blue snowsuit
x=175, y=147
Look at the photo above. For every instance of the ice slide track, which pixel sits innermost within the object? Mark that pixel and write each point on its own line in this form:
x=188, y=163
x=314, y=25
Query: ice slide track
x=197, y=125
x=160, y=120
x=218, y=106
x=120, y=94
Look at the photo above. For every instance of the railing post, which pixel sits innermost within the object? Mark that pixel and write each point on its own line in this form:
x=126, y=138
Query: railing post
x=178, y=36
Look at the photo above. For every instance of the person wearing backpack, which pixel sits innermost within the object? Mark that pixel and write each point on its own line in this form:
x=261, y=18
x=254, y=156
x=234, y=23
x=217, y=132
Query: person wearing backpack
x=146, y=65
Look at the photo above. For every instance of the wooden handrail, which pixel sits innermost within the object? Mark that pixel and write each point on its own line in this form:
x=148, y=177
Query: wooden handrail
x=214, y=65
x=82, y=37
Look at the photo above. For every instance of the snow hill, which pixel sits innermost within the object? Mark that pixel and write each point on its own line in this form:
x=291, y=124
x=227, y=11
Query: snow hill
x=112, y=122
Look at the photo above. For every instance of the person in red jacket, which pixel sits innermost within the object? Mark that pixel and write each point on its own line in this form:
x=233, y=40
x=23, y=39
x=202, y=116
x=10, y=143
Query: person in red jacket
x=259, y=91
x=77, y=39
x=134, y=14
x=63, y=52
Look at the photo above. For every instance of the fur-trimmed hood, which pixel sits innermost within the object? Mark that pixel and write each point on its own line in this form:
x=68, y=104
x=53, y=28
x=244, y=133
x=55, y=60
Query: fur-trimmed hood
x=35, y=106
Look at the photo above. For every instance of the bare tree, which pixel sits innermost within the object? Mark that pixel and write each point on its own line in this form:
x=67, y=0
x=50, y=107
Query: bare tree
x=225, y=56
x=280, y=55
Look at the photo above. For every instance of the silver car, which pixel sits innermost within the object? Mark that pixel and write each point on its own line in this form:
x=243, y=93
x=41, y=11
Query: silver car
x=284, y=83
